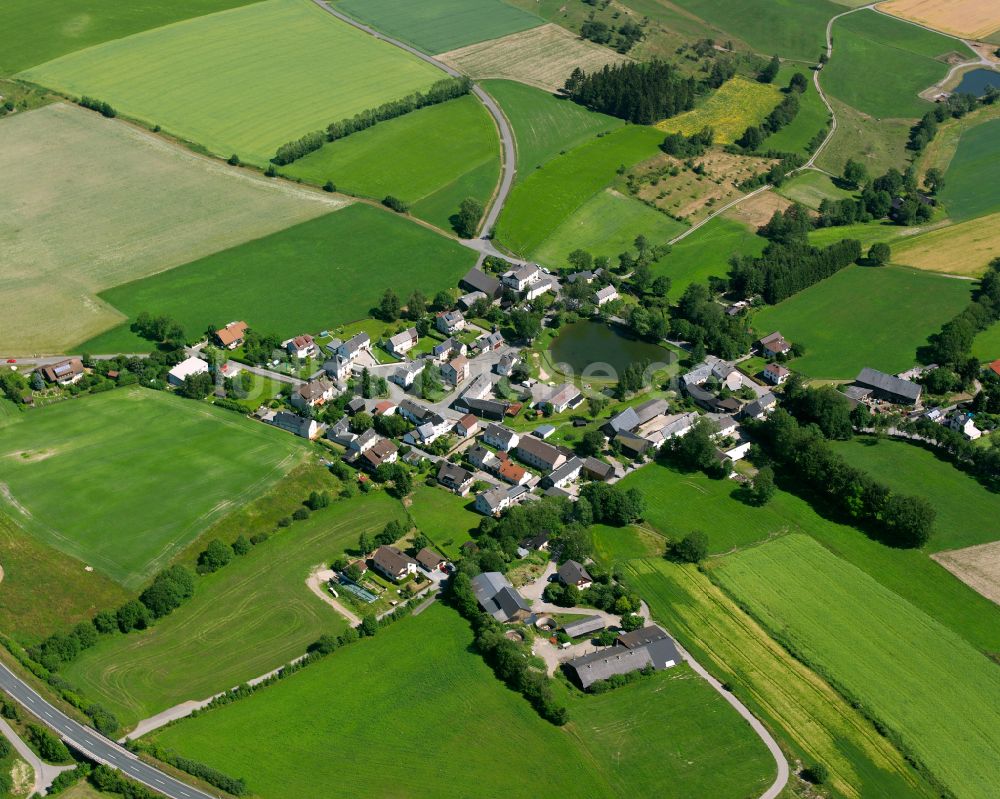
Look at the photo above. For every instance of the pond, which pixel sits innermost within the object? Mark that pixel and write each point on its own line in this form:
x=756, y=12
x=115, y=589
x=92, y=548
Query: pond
x=978, y=81
x=590, y=348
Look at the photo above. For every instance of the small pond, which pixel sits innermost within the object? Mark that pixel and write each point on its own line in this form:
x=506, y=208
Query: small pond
x=583, y=345
x=978, y=81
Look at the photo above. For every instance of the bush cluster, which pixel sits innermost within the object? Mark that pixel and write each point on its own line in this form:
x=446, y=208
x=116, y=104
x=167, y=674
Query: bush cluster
x=98, y=105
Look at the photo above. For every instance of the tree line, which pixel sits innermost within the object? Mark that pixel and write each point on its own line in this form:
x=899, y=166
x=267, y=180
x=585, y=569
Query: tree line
x=642, y=93
x=952, y=345
x=782, y=114
x=956, y=106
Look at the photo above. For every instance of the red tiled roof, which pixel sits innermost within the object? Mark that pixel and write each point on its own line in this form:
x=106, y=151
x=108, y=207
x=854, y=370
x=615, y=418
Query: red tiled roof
x=995, y=366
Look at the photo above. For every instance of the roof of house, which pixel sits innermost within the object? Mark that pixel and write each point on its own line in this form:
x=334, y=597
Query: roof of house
x=523, y=272
x=567, y=471
x=777, y=370
x=314, y=390
x=884, y=382
x=995, y=366
x=511, y=471
x=598, y=467
x=497, y=596
x=572, y=572
x=458, y=363
x=540, y=449
x=378, y=452
x=408, y=335
x=231, y=333
x=536, y=541
x=453, y=473
x=383, y=407
x=654, y=639
x=449, y=344
x=429, y=559
x=566, y=393
x=774, y=341
x=484, y=407
x=499, y=433
x=356, y=405
x=392, y=559
x=493, y=497
x=452, y=317
x=478, y=280
x=468, y=421
x=186, y=368
x=356, y=342
x=584, y=626
x=490, y=339
x=543, y=431
x=606, y=293
x=303, y=341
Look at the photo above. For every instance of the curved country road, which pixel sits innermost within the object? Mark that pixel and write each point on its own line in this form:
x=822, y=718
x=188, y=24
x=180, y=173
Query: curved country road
x=94, y=745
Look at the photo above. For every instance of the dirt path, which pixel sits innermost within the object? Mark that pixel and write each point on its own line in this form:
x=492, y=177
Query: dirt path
x=44, y=772
x=317, y=582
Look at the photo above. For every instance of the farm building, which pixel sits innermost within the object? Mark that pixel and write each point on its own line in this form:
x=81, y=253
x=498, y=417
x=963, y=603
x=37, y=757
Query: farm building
x=497, y=597
x=888, y=388
x=584, y=626
x=649, y=647
x=187, y=368
x=478, y=280
x=69, y=371
x=598, y=469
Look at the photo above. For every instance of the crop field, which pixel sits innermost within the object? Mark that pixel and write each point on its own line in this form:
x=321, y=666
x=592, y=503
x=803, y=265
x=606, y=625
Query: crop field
x=987, y=344
x=548, y=197
x=906, y=58
x=542, y=57
x=972, y=182
x=811, y=187
x=833, y=318
x=79, y=216
x=42, y=31
x=967, y=513
x=963, y=249
x=606, y=224
x=978, y=567
x=448, y=690
x=122, y=461
x=791, y=699
x=193, y=78
x=878, y=143
x=244, y=620
x=330, y=270
x=413, y=157
x=729, y=110
x=445, y=518
x=811, y=119
x=706, y=253
x=435, y=26
x=967, y=19
x=920, y=679
x=545, y=126
x=869, y=233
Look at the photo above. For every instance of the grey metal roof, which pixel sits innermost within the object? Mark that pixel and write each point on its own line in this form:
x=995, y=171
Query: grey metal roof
x=608, y=662
x=883, y=382
x=478, y=280
x=590, y=624
x=497, y=596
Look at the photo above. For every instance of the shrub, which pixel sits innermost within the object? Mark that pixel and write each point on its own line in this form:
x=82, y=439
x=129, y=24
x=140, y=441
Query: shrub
x=329, y=186
x=816, y=774
x=214, y=557
x=47, y=745
x=241, y=545
x=395, y=204
x=301, y=514
x=692, y=548
x=133, y=615
x=104, y=720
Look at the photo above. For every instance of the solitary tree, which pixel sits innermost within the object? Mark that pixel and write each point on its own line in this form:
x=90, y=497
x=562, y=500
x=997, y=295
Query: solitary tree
x=388, y=308
x=855, y=173
x=934, y=180
x=879, y=254
x=692, y=548
x=470, y=211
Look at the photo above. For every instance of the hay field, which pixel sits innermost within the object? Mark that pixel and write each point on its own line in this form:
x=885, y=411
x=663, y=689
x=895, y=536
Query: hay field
x=90, y=203
x=972, y=182
x=543, y=57
x=986, y=347
x=978, y=567
x=962, y=249
x=730, y=110
x=245, y=80
x=969, y=19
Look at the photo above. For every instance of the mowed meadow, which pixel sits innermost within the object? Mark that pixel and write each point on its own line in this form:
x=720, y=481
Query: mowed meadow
x=124, y=480
x=195, y=79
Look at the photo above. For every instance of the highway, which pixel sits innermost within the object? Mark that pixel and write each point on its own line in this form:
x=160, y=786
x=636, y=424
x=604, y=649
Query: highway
x=92, y=744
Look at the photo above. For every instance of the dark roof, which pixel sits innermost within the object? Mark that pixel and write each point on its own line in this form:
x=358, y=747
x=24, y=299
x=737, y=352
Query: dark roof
x=598, y=468
x=607, y=662
x=488, y=409
x=572, y=573
x=453, y=473
x=391, y=559
x=356, y=405
x=536, y=541
x=497, y=597
x=429, y=559
x=654, y=639
x=478, y=280
x=880, y=381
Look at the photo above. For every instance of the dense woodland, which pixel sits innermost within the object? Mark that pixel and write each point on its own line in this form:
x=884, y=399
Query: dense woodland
x=642, y=93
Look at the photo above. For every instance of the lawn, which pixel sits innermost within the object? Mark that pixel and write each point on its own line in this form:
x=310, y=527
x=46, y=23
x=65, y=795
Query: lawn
x=706, y=252
x=903, y=56
x=438, y=25
x=39, y=32
x=811, y=187
x=126, y=479
x=195, y=80
x=545, y=126
x=811, y=119
x=732, y=108
x=606, y=224
x=967, y=513
x=244, y=620
x=972, y=182
x=445, y=518
x=328, y=271
x=926, y=684
x=796, y=704
x=865, y=316
x=987, y=344
x=962, y=249
x=414, y=157
x=548, y=197
x=445, y=697
x=91, y=203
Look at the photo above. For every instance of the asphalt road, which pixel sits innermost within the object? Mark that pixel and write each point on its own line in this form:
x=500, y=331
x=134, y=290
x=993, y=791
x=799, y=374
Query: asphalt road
x=94, y=745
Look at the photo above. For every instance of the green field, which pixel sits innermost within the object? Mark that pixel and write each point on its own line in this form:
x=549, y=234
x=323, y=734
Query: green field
x=195, y=80
x=419, y=157
x=39, y=32
x=550, y=196
x=791, y=28
x=606, y=224
x=811, y=187
x=865, y=316
x=445, y=518
x=987, y=344
x=80, y=217
x=244, y=620
x=967, y=513
x=436, y=26
x=867, y=233
x=445, y=699
x=328, y=271
x=903, y=56
x=811, y=119
x=810, y=718
x=972, y=182
x=878, y=143
x=126, y=479
x=544, y=125
x=736, y=105
x=921, y=680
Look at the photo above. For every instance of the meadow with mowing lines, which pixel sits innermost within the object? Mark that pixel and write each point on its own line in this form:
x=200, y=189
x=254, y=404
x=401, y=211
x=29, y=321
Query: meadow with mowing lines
x=972, y=182
x=543, y=57
x=447, y=689
x=878, y=143
x=412, y=157
x=812, y=721
x=963, y=249
x=549, y=196
x=194, y=80
x=435, y=26
x=244, y=620
x=811, y=187
x=80, y=217
x=614, y=545
x=125, y=461
x=967, y=513
x=986, y=347
x=833, y=319
x=736, y=105
x=545, y=126
x=923, y=682
x=905, y=58
x=606, y=224
x=329, y=271
x=43, y=31
x=445, y=518
x=811, y=119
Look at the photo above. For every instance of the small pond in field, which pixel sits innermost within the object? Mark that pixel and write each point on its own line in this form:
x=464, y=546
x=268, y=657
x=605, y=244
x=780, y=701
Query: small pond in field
x=581, y=345
x=978, y=81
